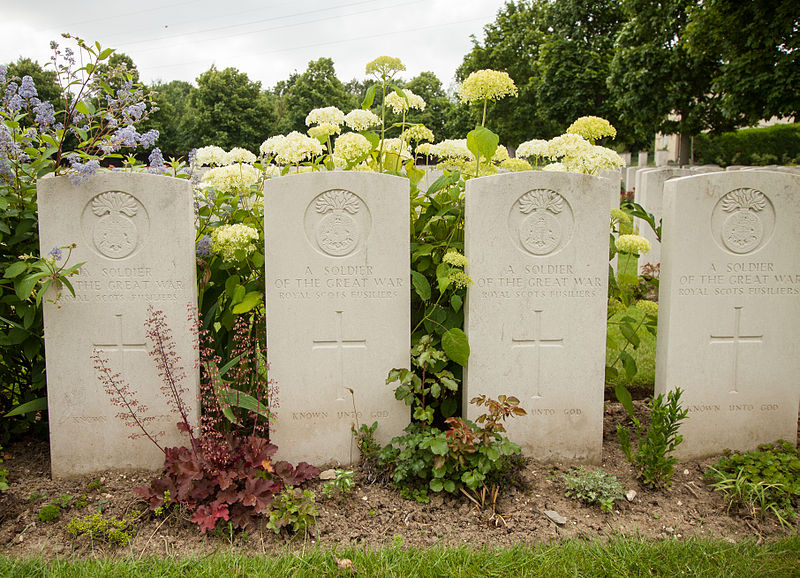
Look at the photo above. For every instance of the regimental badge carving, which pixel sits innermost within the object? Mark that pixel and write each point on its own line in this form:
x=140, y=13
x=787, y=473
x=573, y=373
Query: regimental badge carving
x=542, y=219
x=742, y=220
x=337, y=222
x=743, y=230
x=115, y=223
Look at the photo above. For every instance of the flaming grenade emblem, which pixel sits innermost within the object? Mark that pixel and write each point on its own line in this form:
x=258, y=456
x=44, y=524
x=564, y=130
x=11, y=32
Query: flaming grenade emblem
x=743, y=230
x=115, y=234
x=540, y=233
x=337, y=232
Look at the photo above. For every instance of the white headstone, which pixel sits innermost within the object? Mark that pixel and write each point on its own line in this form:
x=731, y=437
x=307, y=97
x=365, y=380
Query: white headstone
x=615, y=176
x=630, y=177
x=537, y=246
x=651, y=195
x=662, y=158
x=135, y=233
x=337, y=274
x=729, y=316
x=643, y=159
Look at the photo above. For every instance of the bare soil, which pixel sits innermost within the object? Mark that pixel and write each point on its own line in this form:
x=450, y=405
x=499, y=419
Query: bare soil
x=375, y=515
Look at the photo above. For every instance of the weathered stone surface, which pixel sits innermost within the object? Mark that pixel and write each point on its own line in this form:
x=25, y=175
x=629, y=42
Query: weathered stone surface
x=135, y=233
x=537, y=245
x=337, y=263
x=730, y=308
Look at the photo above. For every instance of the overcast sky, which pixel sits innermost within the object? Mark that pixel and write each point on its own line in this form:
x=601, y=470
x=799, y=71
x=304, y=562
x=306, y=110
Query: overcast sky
x=268, y=40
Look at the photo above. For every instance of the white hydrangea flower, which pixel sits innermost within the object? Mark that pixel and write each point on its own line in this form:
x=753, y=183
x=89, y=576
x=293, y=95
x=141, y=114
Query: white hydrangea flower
x=227, y=239
x=350, y=147
x=632, y=244
x=452, y=148
x=359, y=119
x=210, y=155
x=532, y=148
x=398, y=147
x=239, y=155
x=329, y=114
x=292, y=148
x=401, y=104
x=236, y=178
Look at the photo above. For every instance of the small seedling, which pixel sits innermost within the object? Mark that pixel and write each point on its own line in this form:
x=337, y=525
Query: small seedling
x=341, y=485
x=95, y=486
x=111, y=530
x=593, y=487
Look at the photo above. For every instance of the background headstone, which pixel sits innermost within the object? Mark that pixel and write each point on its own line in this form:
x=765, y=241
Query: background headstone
x=537, y=246
x=135, y=233
x=643, y=159
x=729, y=319
x=337, y=263
x=650, y=196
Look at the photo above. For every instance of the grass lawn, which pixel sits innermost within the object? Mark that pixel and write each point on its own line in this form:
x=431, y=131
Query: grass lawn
x=617, y=557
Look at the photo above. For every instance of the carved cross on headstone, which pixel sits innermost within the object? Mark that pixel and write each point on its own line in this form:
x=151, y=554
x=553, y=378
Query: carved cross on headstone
x=735, y=339
x=119, y=343
x=537, y=342
x=339, y=344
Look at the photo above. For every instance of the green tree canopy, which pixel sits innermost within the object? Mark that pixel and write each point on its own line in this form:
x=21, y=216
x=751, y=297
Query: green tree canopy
x=317, y=87
x=173, y=117
x=757, y=47
x=575, y=60
x=229, y=110
x=660, y=85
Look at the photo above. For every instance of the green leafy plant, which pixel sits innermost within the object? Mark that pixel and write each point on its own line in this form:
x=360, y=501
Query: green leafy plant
x=115, y=531
x=461, y=457
x=341, y=485
x=294, y=509
x=593, y=487
x=652, y=459
x=94, y=116
x=761, y=481
x=49, y=513
x=3, y=474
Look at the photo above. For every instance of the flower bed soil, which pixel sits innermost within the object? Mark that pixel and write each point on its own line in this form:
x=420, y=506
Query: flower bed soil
x=375, y=515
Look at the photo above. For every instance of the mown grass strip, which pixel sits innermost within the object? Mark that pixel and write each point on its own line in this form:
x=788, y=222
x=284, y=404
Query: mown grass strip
x=623, y=556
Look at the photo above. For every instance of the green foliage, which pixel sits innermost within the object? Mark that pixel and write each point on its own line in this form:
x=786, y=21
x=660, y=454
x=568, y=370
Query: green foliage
x=758, y=79
x=776, y=144
x=652, y=73
x=624, y=327
x=3, y=474
x=229, y=110
x=653, y=460
x=511, y=43
x=317, y=87
x=462, y=457
x=341, y=485
x=114, y=531
x=173, y=119
x=86, y=114
x=761, y=481
x=49, y=513
x=574, y=63
x=294, y=509
x=593, y=487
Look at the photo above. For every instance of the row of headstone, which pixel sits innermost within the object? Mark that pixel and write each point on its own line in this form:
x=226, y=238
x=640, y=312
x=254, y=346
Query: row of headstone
x=337, y=262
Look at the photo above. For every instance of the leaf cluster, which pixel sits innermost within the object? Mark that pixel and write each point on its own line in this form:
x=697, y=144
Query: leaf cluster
x=763, y=480
x=114, y=531
x=461, y=457
x=341, y=485
x=593, y=487
x=294, y=509
x=233, y=480
x=652, y=459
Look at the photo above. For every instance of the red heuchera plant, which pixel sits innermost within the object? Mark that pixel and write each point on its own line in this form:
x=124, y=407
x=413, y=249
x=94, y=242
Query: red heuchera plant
x=224, y=473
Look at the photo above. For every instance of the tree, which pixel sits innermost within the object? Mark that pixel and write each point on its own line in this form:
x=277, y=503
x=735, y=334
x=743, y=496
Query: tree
x=658, y=83
x=511, y=44
x=317, y=87
x=575, y=60
x=757, y=47
x=173, y=117
x=438, y=107
x=229, y=110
